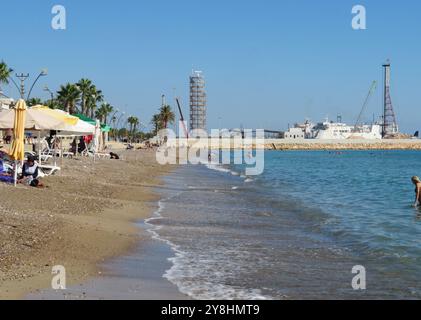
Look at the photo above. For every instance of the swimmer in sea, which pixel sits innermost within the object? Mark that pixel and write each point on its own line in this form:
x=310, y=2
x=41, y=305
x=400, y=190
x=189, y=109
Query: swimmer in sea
x=417, y=182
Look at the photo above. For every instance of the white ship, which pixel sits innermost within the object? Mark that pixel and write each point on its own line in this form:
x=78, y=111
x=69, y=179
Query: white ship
x=341, y=131
x=329, y=130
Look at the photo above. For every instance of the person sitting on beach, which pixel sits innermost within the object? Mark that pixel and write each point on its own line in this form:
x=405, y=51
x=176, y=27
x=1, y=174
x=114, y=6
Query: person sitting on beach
x=82, y=145
x=30, y=173
x=417, y=182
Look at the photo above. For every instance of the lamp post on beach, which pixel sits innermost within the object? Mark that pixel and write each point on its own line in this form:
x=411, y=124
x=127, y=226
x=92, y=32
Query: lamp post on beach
x=49, y=91
x=52, y=106
x=43, y=73
x=22, y=78
x=118, y=123
x=114, y=119
x=120, y=118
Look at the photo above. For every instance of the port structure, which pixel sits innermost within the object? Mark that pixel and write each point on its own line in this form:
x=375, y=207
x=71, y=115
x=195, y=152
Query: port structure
x=390, y=125
x=197, y=101
x=366, y=101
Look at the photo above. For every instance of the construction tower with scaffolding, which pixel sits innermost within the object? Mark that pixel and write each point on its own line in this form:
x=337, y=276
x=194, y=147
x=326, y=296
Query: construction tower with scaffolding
x=197, y=101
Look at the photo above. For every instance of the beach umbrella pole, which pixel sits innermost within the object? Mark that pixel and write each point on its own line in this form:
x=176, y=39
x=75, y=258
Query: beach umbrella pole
x=39, y=148
x=16, y=173
x=62, y=152
x=55, y=150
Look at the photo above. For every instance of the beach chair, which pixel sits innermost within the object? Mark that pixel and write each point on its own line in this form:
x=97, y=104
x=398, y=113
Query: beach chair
x=44, y=157
x=47, y=170
x=47, y=152
x=105, y=154
x=90, y=152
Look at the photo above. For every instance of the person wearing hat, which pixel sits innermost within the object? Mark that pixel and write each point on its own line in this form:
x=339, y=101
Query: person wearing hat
x=417, y=182
x=30, y=173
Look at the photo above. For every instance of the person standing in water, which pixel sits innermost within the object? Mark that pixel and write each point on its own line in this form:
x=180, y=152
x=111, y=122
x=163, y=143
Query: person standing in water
x=417, y=182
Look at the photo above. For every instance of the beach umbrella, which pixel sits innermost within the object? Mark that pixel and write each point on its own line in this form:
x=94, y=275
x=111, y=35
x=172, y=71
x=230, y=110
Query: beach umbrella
x=36, y=119
x=65, y=118
x=72, y=125
x=104, y=127
x=18, y=147
x=81, y=128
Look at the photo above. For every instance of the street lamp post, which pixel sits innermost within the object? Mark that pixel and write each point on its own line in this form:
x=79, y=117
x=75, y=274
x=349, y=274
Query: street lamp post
x=114, y=119
x=22, y=78
x=120, y=118
x=50, y=92
x=52, y=106
x=43, y=73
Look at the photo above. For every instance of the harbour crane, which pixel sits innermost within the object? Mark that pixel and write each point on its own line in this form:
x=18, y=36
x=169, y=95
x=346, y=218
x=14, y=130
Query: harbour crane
x=182, y=118
x=366, y=101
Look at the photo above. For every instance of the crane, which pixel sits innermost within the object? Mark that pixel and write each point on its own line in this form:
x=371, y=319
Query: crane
x=182, y=118
x=367, y=99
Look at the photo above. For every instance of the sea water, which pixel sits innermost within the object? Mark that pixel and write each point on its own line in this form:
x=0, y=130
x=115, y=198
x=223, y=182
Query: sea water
x=297, y=230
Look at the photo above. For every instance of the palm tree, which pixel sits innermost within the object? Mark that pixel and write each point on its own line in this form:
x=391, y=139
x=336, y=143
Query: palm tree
x=167, y=116
x=85, y=87
x=93, y=99
x=69, y=97
x=157, y=123
x=104, y=112
x=34, y=102
x=5, y=73
x=133, y=122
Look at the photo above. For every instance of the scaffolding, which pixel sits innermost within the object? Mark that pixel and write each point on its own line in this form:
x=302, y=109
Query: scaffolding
x=197, y=101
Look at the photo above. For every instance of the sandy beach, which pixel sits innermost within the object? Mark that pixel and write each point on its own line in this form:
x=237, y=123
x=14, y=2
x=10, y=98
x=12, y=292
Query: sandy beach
x=84, y=217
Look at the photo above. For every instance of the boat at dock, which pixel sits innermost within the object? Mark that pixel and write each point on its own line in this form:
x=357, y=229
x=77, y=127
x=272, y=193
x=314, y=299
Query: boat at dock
x=340, y=131
x=330, y=130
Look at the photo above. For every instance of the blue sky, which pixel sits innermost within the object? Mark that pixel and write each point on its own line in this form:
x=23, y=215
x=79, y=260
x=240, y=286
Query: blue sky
x=266, y=63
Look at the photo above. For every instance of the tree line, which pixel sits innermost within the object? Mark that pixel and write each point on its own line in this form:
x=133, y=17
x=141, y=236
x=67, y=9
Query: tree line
x=85, y=98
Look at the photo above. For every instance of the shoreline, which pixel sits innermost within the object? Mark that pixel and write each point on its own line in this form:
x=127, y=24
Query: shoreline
x=350, y=145
x=299, y=144
x=135, y=276
x=87, y=215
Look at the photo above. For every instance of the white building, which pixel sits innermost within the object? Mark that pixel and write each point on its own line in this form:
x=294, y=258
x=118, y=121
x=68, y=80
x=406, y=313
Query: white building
x=294, y=134
x=5, y=102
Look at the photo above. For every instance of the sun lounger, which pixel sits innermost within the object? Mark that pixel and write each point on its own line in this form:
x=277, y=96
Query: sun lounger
x=103, y=155
x=89, y=152
x=44, y=157
x=47, y=171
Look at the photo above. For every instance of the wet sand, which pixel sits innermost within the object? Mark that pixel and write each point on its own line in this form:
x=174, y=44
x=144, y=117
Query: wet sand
x=137, y=276
x=84, y=217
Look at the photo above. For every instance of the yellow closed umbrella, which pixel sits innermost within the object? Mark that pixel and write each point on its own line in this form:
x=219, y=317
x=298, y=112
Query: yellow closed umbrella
x=18, y=147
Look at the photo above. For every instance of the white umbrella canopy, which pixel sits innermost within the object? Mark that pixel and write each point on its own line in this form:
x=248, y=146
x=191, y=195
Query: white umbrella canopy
x=35, y=120
x=81, y=128
x=40, y=118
